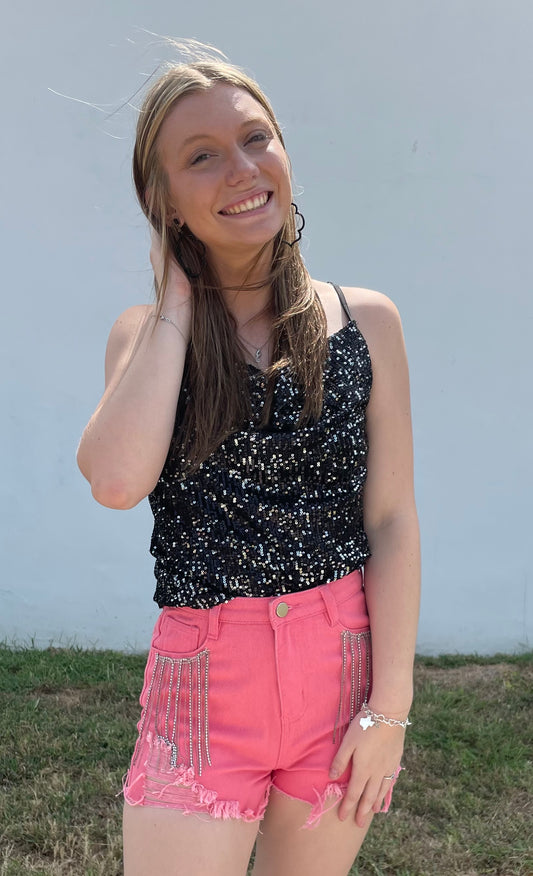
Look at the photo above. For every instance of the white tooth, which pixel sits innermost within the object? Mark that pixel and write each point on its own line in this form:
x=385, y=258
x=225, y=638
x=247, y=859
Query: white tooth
x=251, y=204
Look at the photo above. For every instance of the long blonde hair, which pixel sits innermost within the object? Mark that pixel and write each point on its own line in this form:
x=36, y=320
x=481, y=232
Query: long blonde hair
x=215, y=370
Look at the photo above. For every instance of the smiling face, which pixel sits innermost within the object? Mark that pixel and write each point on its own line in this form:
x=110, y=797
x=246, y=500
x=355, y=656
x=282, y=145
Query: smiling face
x=227, y=171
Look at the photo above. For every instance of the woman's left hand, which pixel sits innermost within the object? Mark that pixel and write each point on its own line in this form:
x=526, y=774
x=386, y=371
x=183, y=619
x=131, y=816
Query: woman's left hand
x=375, y=754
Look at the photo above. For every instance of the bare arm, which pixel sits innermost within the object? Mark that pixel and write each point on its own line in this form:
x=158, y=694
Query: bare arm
x=124, y=445
x=392, y=574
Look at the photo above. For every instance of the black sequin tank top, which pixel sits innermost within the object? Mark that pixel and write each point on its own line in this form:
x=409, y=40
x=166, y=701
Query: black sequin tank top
x=273, y=510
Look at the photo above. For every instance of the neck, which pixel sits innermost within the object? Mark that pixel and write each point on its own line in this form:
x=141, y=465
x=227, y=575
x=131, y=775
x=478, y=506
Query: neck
x=250, y=307
x=236, y=272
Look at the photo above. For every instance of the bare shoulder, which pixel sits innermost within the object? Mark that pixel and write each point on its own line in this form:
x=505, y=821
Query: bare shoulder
x=369, y=306
x=377, y=317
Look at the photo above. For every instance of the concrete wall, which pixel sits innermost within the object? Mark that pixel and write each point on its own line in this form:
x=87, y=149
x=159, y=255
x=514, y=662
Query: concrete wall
x=410, y=128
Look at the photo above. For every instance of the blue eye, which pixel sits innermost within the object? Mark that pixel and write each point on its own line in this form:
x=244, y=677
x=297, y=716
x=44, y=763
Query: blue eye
x=200, y=158
x=258, y=138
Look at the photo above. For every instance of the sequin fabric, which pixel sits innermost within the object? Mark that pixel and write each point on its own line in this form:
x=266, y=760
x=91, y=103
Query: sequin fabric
x=274, y=510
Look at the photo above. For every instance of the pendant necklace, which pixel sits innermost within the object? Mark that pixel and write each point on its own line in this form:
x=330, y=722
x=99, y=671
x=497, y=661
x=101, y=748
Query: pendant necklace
x=257, y=351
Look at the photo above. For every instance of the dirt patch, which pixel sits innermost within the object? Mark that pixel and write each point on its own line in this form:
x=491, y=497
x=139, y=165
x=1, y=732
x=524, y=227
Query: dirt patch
x=490, y=675
x=67, y=697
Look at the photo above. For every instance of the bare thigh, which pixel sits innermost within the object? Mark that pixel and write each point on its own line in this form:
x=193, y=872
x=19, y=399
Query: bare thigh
x=285, y=849
x=165, y=842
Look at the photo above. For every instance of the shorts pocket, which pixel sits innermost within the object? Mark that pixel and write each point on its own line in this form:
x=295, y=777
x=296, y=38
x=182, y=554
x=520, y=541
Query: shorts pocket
x=352, y=613
x=180, y=631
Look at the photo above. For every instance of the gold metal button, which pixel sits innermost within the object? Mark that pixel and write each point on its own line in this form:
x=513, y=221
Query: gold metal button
x=282, y=609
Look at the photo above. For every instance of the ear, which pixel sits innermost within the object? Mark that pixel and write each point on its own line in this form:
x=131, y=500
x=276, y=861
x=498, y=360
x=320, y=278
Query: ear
x=172, y=214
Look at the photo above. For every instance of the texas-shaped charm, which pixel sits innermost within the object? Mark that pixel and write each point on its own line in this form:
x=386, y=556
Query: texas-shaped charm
x=366, y=722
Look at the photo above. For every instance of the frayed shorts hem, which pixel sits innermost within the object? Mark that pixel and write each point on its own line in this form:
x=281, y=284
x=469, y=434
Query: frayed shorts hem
x=185, y=794
x=203, y=801
x=330, y=797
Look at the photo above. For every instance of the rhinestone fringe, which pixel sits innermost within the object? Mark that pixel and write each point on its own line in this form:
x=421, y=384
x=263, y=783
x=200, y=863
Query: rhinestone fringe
x=356, y=653
x=177, y=702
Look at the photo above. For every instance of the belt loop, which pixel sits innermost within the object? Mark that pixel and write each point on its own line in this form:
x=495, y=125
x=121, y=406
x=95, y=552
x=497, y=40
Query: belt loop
x=330, y=602
x=214, y=622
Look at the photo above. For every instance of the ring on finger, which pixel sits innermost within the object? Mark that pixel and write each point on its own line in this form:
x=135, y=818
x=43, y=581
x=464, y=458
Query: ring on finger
x=390, y=777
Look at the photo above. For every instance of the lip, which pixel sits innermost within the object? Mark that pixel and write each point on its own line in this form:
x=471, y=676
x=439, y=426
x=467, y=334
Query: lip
x=247, y=197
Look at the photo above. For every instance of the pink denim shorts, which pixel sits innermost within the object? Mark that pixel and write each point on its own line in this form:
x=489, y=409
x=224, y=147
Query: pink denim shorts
x=250, y=695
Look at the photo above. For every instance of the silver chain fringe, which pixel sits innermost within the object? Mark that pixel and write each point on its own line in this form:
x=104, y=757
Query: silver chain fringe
x=180, y=707
x=352, y=643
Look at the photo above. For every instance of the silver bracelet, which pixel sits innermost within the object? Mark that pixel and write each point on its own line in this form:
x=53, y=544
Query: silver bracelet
x=170, y=322
x=372, y=718
x=166, y=319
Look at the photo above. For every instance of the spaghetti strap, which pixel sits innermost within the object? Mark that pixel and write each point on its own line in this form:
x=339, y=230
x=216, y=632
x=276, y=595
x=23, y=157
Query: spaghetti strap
x=342, y=300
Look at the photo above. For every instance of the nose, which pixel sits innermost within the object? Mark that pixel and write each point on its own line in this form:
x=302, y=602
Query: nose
x=240, y=167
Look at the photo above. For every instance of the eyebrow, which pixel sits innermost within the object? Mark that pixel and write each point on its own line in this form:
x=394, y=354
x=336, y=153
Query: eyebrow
x=206, y=136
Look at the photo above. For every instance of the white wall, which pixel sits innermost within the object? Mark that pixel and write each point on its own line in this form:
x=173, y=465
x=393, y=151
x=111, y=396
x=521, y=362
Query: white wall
x=410, y=128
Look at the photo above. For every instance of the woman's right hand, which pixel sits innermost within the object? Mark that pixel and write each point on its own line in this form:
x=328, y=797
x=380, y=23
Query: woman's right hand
x=178, y=288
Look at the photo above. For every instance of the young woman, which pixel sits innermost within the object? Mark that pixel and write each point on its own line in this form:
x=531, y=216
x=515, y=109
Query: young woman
x=266, y=415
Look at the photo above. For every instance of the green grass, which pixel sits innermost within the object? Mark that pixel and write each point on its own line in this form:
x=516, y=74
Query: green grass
x=462, y=806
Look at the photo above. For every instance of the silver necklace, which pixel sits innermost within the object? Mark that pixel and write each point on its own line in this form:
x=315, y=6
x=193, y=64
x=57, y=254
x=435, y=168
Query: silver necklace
x=257, y=351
